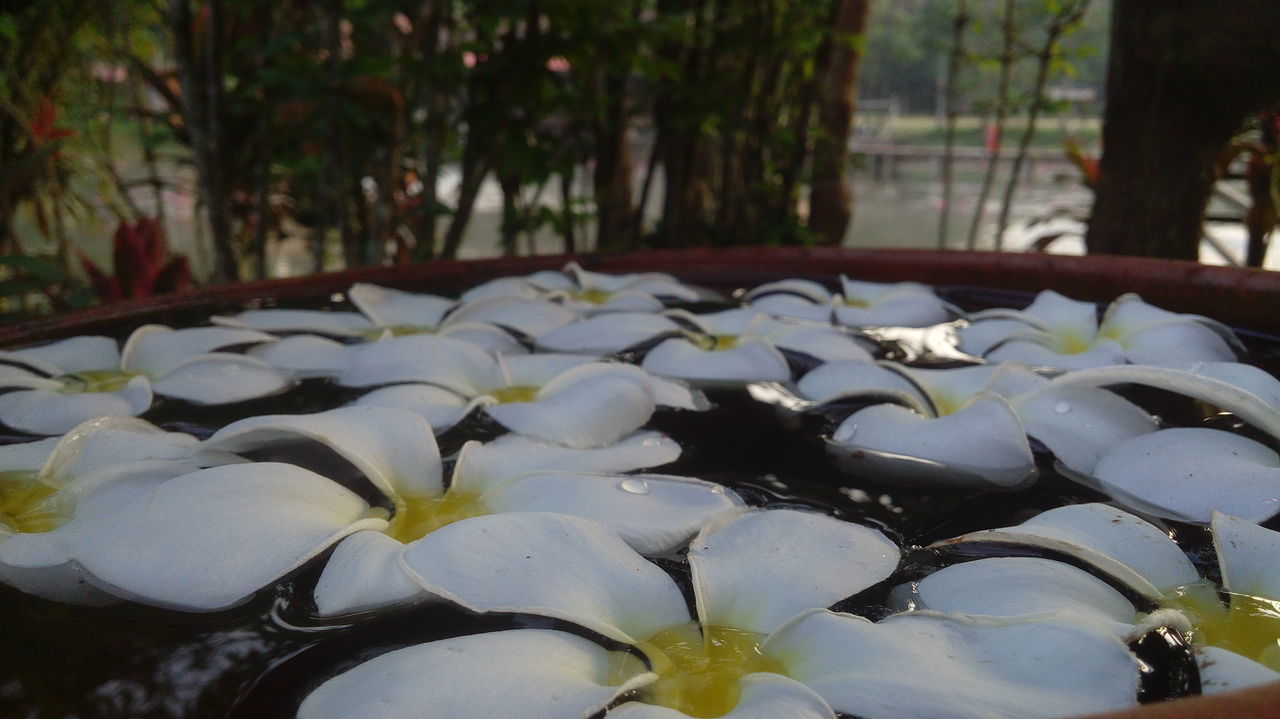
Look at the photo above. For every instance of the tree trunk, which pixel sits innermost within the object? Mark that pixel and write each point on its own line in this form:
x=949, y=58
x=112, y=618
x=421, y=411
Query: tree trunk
x=1181, y=78
x=1002, y=111
x=614, y=166
x=830, y=199
x=960, y=22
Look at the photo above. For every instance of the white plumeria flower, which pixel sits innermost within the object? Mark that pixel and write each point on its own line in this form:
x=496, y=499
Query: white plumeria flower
x=1237, y=645
x=385, y=312
x=396, y=451
x=59, y=385
x=761, y=644
x=737, y=346
x=967, y=426
x=1188, y=473
x=858, y=304
x=47, y=492
x=568, y=399
x=591, y=292
x=1054, y=331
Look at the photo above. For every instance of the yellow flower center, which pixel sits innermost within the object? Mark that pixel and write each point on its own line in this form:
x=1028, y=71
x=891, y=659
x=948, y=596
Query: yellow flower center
x=594, y=295
x=1249, y=626
x=519, y=393
x=96, y=380
x=855, y=302
x=1072, y=344
x=416, y=517
x=28, y=504
x=699, y=672
x=716, y=343
x=375, y=333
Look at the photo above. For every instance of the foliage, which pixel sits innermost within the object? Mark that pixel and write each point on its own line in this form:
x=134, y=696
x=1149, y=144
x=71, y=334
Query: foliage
x=143, y=267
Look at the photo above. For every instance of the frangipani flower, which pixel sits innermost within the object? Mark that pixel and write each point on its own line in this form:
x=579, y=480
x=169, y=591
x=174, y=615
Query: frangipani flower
x=590, y=292
x=967, y=426
x=737, y=346
x=858, y=304
x=387, y=312
x=761, y=644
x=64, y=383
x=1187, y=473
x=1238, y=645
x=396, y=451
x=567, y=399
x=47, y=492
x=1054, y=331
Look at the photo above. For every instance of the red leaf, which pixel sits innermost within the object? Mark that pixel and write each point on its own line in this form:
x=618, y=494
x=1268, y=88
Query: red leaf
x=106, y=287
x=175, y=276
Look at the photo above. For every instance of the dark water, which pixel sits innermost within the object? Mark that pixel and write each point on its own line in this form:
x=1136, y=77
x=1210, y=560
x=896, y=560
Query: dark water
x=259, y=660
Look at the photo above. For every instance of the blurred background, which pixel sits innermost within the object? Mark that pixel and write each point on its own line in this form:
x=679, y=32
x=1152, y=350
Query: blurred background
x=146, y=145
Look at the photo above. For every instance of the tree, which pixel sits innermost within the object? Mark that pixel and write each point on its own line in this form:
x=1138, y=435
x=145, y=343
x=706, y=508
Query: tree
x=1182, y=77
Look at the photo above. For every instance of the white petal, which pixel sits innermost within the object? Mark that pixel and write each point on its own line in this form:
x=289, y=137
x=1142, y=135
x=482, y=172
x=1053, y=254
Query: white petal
x=1127, y=548
x=789, y=305
x=1129, y=315
x=808, y=289
x=537, y=370
x=457, y=365
x=394, y=448
x=855, y=378
x=48, y=412
x=62, y=582
x=552, y=565
x=981, y=445
x=395, y=308
x=982, y=335
x=364, y=573
x=755, y=570
x=306, y=355
x=487, y=337
x=1061, y=315
x=106, y=441
x=527, y=673
x=74, y=354
x=588, y=406
x=157, y=350
x=1222, y=394
x=1253, y=380
x=530, y=317
x=336, y=324
x=898, y=308
x=622, y=301
x=677, y=394
x=207, y=540
x=481, y=467
x=441, y=408
x=1249, y=556
x=725, y=322
x=1175, y=342
x=1225, y=671
x=220, y=378
x=750, y=361
x=951, y=389
x=1187, y=473
x=607, y=333
x=764, y=696
x=506, y=287
x=1019, y=586
x=1080, y=424
x=654, y=514
x=925, y=665
x=824, y=343
x=1105, y=352
x=27, y=456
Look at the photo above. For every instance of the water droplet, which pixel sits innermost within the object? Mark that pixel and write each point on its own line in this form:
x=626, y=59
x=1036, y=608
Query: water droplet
x=1062, y=407
x=717, y=489
x=634, y=485
x=651, y=441
x=845, y=432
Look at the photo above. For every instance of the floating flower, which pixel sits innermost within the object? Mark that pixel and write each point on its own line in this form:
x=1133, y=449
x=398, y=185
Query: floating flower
x=1054, y=331
x=761, y=644
x=858, y=304
x=737, y=346
x=51, y=487
x=396, y=451
x=590, y=292
x=1237, y=644
x=967, y=426
x=495, y=324
x=568, y=399
x=61, y=384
